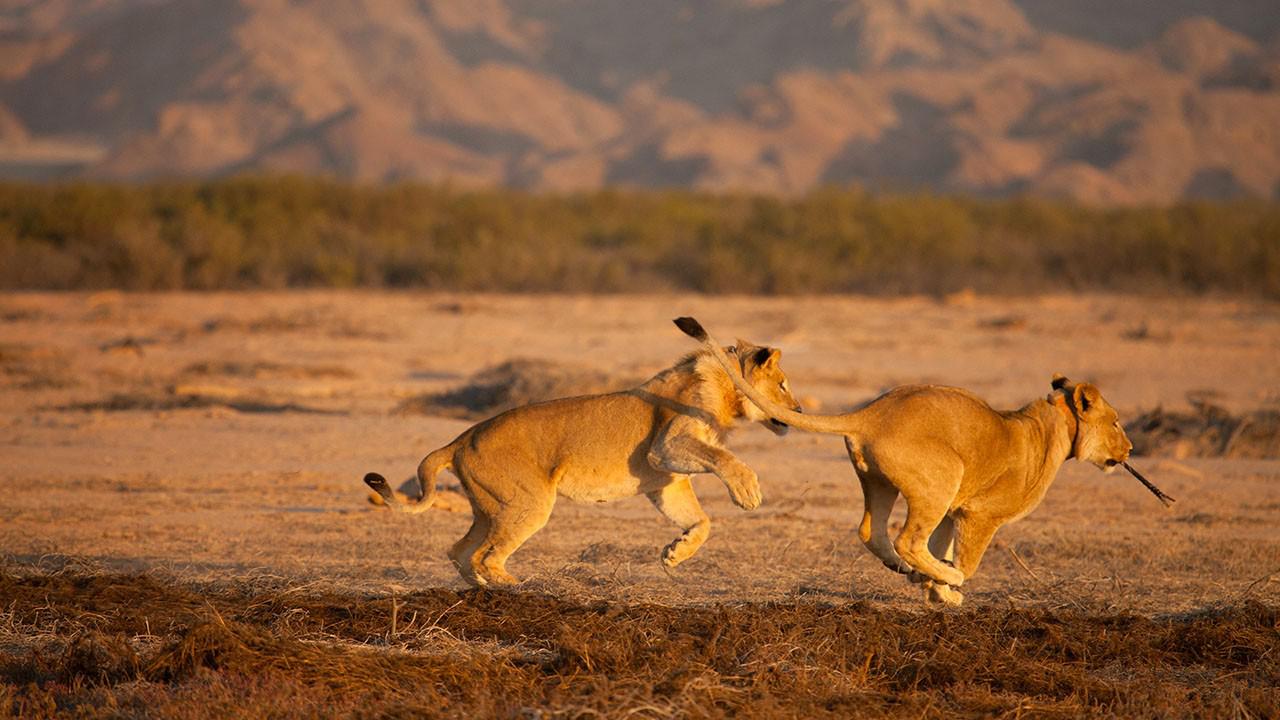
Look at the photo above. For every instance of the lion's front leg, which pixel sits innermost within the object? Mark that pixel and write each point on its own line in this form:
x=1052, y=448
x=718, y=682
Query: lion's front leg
x=681, y=506
x=941, y=544
x=681, y=452
x=973, y=535
x=968, y=537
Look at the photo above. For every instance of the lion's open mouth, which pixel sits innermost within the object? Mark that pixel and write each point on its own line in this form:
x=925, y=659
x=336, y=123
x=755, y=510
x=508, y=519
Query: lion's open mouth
x=778, y=424
x=1111, y=462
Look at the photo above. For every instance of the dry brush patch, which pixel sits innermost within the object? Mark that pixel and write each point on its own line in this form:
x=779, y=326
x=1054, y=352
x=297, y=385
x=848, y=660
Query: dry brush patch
x=27, y=367
x=1207, y=431
x=175, y=400
x=516, y=382
x=112, y=645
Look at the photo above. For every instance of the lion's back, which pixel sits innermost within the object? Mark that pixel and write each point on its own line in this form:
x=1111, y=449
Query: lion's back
x=590, y=429
x=923, y=415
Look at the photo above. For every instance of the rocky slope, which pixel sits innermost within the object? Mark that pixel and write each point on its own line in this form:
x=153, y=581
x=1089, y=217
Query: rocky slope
x=757, y=95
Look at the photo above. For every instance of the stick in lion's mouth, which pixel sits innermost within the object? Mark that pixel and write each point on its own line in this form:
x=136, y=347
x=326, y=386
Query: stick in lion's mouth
x=1164, y=499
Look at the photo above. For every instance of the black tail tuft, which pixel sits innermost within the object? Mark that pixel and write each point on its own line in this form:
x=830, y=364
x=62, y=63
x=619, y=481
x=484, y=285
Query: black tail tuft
x=692, y=328
x=379, y=485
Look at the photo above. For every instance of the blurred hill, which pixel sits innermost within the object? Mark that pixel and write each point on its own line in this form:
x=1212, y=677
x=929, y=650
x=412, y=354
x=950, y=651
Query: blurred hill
x=1119, y=102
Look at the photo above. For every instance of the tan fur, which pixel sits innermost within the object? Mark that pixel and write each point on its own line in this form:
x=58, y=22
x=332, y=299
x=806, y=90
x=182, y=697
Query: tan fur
x=648, y=440
x=963, y=468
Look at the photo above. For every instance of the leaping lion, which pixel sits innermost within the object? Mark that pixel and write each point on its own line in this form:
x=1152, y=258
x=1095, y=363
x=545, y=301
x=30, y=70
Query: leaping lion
x=648, y=440
x=963, y=468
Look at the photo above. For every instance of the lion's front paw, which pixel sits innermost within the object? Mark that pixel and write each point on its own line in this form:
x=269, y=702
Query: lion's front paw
x=750, y=500
x=745, y=492
x=495, y=576
x=943, y=594
x=501, y=578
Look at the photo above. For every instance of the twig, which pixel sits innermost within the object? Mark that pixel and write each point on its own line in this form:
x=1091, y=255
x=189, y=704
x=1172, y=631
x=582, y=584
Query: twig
x=1235, y=435
x=1164, y=499
x=1067, y=601
x=1024, y=566
x=436, y=622
x=1265, y=579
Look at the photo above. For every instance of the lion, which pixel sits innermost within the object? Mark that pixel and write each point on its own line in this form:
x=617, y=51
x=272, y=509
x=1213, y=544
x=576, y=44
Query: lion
x=649, y=439
x=963, y=468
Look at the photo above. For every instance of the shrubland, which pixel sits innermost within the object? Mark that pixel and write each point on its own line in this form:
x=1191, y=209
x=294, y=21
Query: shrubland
x=277, y=232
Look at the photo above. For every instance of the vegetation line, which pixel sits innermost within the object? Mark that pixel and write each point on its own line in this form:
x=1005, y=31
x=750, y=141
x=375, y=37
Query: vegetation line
x=273, y=232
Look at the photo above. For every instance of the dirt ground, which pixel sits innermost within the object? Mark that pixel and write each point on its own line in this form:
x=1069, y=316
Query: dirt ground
x=181, y=494
x=221, y=437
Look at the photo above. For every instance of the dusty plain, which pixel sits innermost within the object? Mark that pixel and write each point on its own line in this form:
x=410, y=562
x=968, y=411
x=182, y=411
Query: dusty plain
x=215, y=442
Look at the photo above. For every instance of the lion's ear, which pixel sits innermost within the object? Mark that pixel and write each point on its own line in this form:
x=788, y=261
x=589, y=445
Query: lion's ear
x=1085, y=396
x=1059, y=381
x=768, y=357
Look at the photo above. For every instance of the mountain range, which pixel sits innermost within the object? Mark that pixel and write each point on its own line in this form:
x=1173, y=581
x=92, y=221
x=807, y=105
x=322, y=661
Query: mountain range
x=1121, y=102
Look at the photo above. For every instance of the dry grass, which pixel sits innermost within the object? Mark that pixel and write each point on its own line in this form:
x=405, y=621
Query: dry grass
x=131, y=645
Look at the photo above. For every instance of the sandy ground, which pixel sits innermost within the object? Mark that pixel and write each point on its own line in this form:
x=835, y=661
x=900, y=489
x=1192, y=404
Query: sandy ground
x=264, y=485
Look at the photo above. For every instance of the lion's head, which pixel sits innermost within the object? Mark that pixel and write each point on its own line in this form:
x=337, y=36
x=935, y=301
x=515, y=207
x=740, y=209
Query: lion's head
x=1099, y=438
x=761, y=368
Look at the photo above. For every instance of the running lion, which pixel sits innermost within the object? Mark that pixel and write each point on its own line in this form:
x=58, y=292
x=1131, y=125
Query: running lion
x=963, y=468
x=648, y=440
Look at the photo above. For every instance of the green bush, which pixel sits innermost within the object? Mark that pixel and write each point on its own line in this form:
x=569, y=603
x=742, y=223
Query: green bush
x=267, y=232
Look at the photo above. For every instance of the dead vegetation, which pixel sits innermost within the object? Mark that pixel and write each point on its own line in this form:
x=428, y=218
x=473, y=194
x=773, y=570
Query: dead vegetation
x=513, y=383
x=266, y=369
x=1207, y=431
x=17, y=314
x=322, y=319
x=174, y=400
x=131, y=645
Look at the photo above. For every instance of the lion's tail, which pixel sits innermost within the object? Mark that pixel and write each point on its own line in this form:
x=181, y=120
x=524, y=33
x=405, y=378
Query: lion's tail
x=428, y=469
x=837, y=424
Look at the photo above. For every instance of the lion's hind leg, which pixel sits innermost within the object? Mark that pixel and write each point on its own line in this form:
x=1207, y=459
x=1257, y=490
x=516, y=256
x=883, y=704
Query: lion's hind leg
x=925, y=511
x=463, y=553
x=878, y=497
x=678, y=503
x=508, y=528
